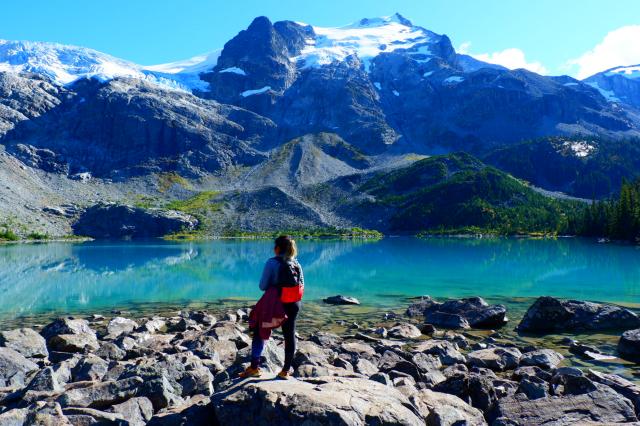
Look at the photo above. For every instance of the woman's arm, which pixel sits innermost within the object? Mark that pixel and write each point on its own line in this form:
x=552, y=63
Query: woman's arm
x=269, y=274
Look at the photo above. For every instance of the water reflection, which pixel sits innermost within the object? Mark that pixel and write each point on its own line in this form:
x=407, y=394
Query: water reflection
x=67, y=277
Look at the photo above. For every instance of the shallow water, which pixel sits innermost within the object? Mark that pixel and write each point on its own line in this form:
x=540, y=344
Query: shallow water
x=81, y=277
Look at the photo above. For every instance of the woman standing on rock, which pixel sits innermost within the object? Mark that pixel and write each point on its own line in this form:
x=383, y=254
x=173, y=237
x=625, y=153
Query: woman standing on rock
x=283, y=283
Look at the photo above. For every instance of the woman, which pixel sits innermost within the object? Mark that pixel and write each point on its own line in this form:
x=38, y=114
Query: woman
x=282, y=272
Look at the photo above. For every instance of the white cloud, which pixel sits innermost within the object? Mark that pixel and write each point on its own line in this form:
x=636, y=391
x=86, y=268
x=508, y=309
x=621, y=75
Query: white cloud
x=619, y=47
x=511, y=58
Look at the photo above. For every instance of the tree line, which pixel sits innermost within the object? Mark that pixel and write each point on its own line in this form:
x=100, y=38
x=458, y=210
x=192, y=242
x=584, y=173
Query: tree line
x=615, y=218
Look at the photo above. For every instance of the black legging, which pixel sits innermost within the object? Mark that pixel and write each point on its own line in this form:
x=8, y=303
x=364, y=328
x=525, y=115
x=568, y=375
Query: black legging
x=289, y=332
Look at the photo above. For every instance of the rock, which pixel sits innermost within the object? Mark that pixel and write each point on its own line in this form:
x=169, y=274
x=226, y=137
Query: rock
x=533, y=387
x=25, y=341
x=47, y=379
x=138, y=411
x=15, y=417
x=66, y=326
x=426, y=362
x=404, y=331
x=441, y=409
x=15, y=369
x=46, y=414
x=110, y=351
x=460, y=313
x=90, y=368
x=548, y=314
x=119, y=221
x=197, y=412
x=359, y=349
x=82, y=416
x=74, y=343
x=428, y=329
x=120, y=325
x=629, y=345
x=624, y=387
x=381, y=378
x=602, y=406
x=330, y=401
x=364, y=367
x=224, y=351
x=100, y=395
x=446, y=351
x=341, y=300
x=527, y=371
x=499, y=359
x=543, y=358
x=154, y=325
x=202, y=317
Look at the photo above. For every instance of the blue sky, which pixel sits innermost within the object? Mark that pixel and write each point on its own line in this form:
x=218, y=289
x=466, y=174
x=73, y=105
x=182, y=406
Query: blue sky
x=544, y=35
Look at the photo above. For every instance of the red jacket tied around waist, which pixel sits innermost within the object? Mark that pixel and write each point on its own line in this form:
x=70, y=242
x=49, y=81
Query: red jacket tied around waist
x=268, y=313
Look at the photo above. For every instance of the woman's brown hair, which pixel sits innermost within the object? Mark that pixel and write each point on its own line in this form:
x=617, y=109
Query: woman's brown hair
x=287, y=246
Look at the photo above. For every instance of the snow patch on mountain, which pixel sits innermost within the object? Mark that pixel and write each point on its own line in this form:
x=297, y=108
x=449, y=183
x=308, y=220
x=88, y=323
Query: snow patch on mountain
x=64, y=64
x=608, y=94
x=632, y=72
x=579, y=148
x=255, y=91
x=367, y=39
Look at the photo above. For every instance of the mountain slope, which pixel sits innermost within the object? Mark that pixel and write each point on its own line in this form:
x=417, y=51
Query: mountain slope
x=620, y=84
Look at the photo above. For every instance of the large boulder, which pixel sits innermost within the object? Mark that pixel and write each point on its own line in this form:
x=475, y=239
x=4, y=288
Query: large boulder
x=326, y=401
x=472, y=312
x=549, y=314
x=624, y=387
x=602, y=406
x=74, y=342
x=14, y=368
x=26, y=341
x=629, y=345
x=119, y=221
x=100, y=395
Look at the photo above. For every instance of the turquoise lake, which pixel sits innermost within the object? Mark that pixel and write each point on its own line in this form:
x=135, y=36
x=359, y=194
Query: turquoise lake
x=81, y=277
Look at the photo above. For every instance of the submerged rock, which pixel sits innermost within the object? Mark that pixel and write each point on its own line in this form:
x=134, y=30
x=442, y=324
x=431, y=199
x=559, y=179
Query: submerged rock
x=118, y=221
x=341, y=300
x=472, y=312
x=549, y=314
x=629, y=345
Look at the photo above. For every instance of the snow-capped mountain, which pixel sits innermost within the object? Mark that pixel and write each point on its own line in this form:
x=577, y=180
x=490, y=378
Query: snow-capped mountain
x=64, y=64
x=619, y=84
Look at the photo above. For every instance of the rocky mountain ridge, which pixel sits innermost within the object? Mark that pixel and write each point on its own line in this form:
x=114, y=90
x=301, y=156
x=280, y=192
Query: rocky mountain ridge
x=283, y=109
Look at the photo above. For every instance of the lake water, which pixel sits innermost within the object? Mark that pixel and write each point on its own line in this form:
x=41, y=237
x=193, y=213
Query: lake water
x=98, y=276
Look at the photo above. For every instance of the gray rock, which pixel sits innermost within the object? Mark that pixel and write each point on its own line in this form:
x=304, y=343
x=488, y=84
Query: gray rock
x=90, y=368
x=74, y=343
x=120, y=325
x=154, y=325
x=624, y=387
x=629, y=345
x=138, y=411
x=534, y=387
x=543, y=358
x=198, y=411
x=15, y=369
x=46, y=413
x=460, y=313
x=81, y=416
x=25, y=341
x=404, y=331
x=110, y=351
x=445, y=350
x=47, y=379
x=66, y=326
x=495, y=358
x=601, y=406
x=329, y=401
x=441, y=409
x=119, y=221
x=548, y=314
x=341, y=300
x=100, y=395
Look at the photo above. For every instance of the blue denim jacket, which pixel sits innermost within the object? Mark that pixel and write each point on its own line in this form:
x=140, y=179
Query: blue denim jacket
x=270, y=273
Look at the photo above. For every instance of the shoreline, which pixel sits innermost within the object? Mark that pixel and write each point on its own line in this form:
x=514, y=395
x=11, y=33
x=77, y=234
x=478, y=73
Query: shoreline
x=97, y=366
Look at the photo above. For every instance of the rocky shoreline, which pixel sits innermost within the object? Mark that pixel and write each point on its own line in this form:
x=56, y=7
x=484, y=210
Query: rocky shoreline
x=424, y=367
